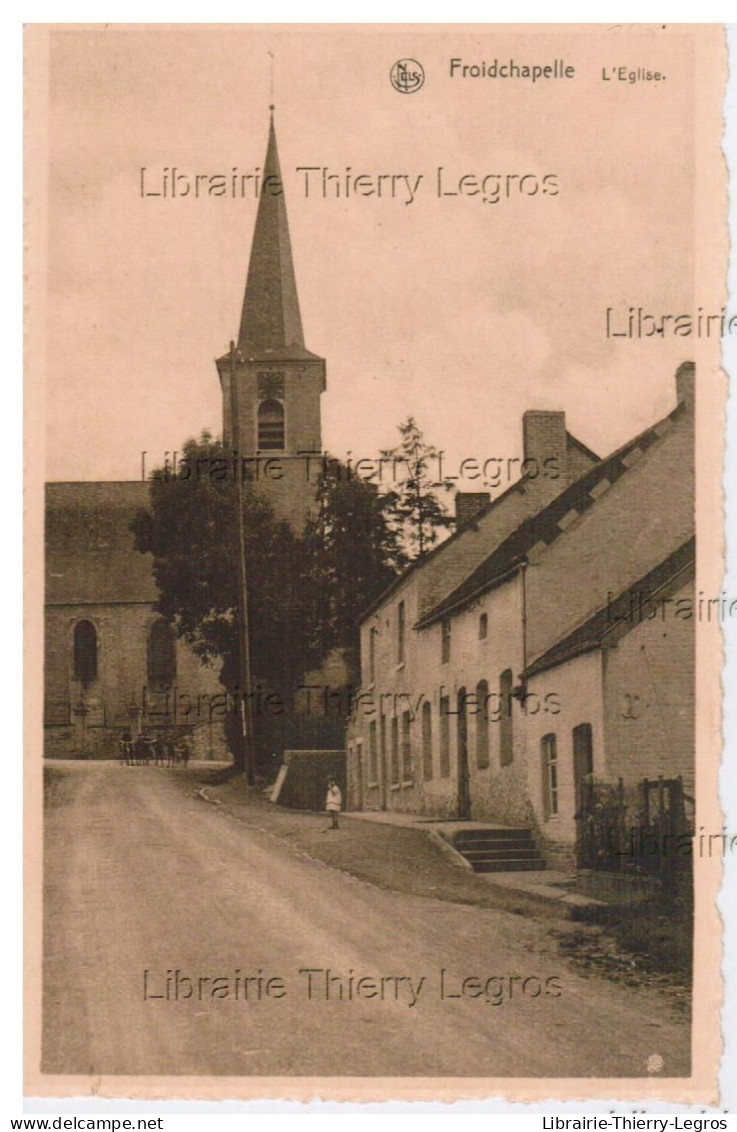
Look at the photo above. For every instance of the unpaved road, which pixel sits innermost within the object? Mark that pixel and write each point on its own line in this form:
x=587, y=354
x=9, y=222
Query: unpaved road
x=142, y=877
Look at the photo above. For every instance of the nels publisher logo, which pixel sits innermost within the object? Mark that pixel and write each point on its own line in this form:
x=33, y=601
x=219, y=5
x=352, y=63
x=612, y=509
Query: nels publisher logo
x=407, y=76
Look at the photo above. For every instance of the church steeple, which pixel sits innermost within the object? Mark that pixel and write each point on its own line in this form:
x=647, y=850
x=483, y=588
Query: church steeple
x=271, y=383
x=270, y=319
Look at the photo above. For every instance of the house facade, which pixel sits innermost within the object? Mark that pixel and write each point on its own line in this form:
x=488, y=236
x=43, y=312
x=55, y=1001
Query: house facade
x=478, y=698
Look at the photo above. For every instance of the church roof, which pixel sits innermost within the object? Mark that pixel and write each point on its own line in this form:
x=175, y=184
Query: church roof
x=271, y=325
x=91, y=558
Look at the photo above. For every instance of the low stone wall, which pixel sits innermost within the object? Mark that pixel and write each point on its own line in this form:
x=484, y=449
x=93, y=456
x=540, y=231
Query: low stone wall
x=618, y=886
x=207, y=743
x=560, y=855
x=306, y=782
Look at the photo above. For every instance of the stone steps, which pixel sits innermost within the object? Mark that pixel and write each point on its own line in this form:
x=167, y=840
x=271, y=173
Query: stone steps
x=499, y=850
x=509, y=866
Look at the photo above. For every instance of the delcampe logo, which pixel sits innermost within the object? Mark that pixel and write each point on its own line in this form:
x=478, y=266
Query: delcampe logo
x=407, y=76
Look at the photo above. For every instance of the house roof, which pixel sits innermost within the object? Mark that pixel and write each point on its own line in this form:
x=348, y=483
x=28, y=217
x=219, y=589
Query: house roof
x=621, y=614
x=546, y=526
x=583, y=448
x=519, y=485
x=419, y=563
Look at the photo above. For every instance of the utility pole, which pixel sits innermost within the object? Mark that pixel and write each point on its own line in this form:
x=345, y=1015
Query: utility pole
x=244, y=644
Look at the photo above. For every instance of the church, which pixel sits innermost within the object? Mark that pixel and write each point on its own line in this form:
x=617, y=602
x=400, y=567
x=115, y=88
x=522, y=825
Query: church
x=112, y=663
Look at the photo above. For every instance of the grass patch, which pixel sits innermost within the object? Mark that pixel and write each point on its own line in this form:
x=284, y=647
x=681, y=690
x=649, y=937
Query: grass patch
x=647, y=944
x=660, y=933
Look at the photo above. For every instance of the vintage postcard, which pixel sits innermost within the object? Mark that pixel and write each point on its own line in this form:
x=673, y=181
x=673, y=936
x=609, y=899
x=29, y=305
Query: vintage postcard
x=375, y=561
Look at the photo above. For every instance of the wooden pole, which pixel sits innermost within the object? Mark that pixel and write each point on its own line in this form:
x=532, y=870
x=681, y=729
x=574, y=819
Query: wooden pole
x=244, y=645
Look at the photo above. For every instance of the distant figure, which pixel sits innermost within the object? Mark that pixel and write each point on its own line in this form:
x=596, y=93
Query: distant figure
x=144, y=748
x=126, y=743
x=182, y=751
x=333, y=802
x=157, y=746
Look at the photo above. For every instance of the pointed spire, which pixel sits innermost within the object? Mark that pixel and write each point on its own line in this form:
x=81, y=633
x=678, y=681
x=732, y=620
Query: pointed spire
x=270, y=319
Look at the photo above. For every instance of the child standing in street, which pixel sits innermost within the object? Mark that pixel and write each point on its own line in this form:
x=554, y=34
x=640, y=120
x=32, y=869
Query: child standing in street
x=333, y=802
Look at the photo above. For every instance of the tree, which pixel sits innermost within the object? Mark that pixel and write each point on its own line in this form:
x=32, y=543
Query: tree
x=191, y=532
x=416, y=513
x=353, y=552
x=305, y=596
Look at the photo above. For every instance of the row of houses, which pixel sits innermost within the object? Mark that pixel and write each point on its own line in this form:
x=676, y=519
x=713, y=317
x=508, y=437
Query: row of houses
x=549, y=642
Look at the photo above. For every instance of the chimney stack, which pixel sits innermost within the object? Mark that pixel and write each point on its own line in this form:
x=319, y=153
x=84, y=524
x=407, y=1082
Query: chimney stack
x=545, y=446
x=686, y=384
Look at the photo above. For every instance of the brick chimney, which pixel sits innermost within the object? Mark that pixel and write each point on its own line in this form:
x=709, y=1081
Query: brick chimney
x=686, y=384
x=468, y=505
x=545, y=446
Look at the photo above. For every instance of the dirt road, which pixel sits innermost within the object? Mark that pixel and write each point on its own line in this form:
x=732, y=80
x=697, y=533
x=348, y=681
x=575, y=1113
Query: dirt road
x=179, y=941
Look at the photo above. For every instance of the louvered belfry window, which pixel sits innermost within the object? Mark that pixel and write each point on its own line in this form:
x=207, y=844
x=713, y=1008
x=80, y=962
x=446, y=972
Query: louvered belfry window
x=271, y=426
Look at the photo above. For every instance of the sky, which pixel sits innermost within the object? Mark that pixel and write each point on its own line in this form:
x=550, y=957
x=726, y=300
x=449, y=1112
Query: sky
x=461, y=311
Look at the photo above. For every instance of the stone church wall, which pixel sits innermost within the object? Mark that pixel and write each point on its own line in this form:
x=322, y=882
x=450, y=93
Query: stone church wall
x=121, y=697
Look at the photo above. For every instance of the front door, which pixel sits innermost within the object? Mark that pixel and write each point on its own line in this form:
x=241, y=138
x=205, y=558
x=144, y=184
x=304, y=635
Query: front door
x=583, y=770
x=464, y=786
x=583, y=759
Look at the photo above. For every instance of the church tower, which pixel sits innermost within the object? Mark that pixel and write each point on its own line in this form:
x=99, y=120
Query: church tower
x=271, y=383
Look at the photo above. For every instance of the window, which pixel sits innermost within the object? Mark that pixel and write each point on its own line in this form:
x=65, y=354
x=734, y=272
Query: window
x=360, y=774
x=506, y=736
x=373, y=753
x=483, y=626
x=406, y=748
x=162, y=658
x=482, y=724
x=271, y=426
x=85, y=652
x=444, y=736
x=373, y=634
x=549, y=754
x=400, y=633
x=445, y=641
x=427, y=741
x=382, y=739
x=395, y=750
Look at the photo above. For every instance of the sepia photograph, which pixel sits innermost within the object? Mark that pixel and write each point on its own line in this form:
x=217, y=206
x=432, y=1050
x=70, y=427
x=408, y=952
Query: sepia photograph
x=375, y=457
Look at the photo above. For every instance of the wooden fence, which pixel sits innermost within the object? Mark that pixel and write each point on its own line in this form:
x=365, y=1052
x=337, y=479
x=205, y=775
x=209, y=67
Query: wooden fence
x=645, y=828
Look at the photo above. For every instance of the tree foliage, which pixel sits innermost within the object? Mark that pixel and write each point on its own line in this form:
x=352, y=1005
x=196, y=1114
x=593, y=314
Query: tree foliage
x=353, y=554
x=413, y=505
x=305, y=595
x=191, y=531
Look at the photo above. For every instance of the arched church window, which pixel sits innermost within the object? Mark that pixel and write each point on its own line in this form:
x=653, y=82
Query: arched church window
x=85, y=652
x=162, y=656
x=271, y=426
